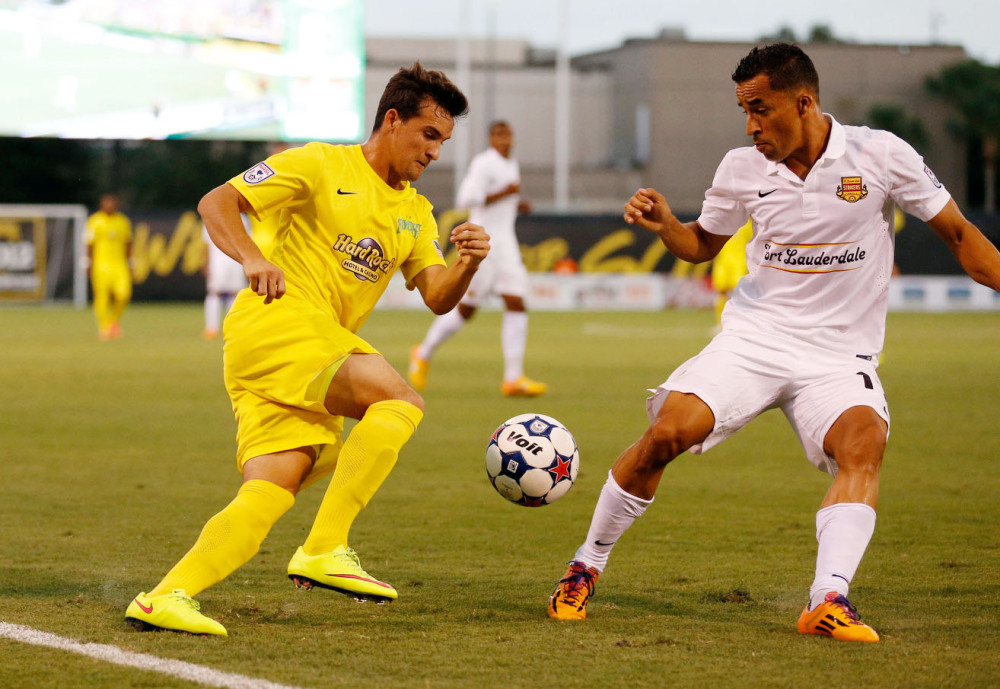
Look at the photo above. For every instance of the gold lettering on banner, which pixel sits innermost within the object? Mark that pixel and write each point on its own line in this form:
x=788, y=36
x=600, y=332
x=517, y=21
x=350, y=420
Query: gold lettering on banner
x=542, y=256
x=159, y=255
x=599, y=259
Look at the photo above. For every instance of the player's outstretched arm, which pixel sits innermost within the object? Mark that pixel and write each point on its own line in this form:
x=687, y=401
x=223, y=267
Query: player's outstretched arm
x=979, y=258
x=688, y=241
x=442, y=287
x=220, y=211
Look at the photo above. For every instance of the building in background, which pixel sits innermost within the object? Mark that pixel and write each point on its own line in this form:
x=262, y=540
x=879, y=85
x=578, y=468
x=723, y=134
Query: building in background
x=653, y=111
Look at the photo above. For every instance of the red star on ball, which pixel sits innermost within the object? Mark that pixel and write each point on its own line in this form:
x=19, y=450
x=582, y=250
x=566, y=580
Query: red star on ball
x=560, y=470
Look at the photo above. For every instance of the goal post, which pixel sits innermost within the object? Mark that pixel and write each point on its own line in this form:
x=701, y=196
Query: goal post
x=41, y=253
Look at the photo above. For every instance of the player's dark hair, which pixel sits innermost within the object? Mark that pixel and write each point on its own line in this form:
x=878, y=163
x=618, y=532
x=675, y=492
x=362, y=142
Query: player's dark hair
x=784, y=64
x=497, y=123
x=410, y=86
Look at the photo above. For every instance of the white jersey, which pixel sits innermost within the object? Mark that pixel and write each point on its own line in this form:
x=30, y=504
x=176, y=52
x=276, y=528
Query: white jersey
x=489, y=172
x=822, y=249
x=225, y=276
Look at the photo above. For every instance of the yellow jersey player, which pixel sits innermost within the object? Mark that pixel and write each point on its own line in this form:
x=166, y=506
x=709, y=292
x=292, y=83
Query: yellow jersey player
x=294, y=367
x=109, y=243
x=729, y=266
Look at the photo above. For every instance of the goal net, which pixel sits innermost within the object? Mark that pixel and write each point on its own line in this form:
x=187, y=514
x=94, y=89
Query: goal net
x=41, y=253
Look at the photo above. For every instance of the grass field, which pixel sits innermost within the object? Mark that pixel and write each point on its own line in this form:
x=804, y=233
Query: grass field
x=114, y=454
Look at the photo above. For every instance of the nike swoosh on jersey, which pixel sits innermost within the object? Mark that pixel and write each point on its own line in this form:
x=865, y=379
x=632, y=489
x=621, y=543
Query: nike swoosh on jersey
x=762, y=194
x=341, y=192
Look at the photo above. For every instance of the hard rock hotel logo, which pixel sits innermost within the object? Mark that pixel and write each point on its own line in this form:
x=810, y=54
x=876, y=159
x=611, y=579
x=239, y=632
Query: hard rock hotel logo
x=365, y=258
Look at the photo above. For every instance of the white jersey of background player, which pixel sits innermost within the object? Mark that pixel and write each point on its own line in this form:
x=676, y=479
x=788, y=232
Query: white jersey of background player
x=223, y=279
x=491, y=190
x=804, y=327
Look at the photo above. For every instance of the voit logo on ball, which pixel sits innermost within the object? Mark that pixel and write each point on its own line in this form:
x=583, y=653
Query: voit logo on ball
x=365, y=258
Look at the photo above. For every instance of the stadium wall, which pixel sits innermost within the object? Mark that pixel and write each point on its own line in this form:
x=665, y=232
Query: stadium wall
x=615, y=263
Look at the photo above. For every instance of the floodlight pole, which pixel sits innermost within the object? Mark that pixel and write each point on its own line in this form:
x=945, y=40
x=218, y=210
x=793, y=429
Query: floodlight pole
x=562, y=111
x=463, y=71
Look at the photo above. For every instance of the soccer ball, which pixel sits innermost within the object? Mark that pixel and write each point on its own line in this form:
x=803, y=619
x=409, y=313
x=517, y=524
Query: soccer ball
x=532, y=460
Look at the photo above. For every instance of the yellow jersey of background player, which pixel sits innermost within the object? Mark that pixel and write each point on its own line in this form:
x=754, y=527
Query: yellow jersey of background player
x=109, y=241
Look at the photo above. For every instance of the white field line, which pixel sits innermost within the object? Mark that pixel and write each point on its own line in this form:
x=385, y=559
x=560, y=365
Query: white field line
x=142, y=661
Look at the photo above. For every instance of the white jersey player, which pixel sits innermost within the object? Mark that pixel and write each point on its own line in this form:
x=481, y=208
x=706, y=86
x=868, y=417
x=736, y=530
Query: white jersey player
x=491, y=190
x=224, y=278
x=804, y=328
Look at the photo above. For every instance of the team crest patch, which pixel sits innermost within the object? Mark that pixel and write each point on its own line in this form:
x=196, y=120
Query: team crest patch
x=932, y=176
x=851, y=189
x=258, y=173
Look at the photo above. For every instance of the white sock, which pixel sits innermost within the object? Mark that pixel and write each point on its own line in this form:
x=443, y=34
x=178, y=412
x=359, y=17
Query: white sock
x=213, y=311
x=615, y=512
x=514, y=338
x=443, y=327
x=843, y=531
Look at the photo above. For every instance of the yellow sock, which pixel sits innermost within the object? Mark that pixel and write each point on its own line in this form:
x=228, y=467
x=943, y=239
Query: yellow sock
x=364, y=463
x=229, y=539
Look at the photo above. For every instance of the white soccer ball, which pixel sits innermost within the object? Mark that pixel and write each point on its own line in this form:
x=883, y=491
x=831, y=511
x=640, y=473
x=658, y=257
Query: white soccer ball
x=532, y=460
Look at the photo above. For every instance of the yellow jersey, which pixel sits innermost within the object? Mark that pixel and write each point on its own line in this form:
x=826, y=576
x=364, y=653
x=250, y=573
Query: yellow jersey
x=731, y=262
x=265, y=234
x=342, y=231
x=109, y=236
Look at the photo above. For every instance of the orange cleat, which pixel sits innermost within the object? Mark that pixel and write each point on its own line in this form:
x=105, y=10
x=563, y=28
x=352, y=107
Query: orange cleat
x=523, y=387
x=569, y=599
x=836, y=617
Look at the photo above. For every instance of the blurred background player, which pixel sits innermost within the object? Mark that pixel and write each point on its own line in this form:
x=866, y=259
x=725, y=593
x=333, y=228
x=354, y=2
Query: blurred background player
x=224, y=278
x=491, y=190
x=109, y=249
x=728, y=267
x=294, y=366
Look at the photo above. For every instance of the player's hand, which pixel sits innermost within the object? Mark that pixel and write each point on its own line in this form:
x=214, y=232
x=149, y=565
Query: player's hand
x=472, y=243
x=266, y=279
x=648, y=209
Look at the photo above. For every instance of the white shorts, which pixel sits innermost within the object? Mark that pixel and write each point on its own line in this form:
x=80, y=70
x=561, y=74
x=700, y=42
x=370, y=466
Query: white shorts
x=225, y=276
x=741, y=375
x=498, y=274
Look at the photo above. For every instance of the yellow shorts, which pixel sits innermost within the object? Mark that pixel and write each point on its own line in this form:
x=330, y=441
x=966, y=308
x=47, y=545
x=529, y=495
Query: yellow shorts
x=279, y=359
x=112, y=279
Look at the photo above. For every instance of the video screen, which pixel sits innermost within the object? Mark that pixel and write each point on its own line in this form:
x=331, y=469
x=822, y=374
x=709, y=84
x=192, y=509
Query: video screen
x=258, y=70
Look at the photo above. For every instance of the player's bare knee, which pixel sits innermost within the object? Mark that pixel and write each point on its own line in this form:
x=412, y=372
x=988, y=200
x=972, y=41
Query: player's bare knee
x=663, y=441
x=862, y=449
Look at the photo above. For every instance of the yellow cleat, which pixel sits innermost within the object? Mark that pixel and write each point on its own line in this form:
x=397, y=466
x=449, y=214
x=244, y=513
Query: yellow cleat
x=569, y=599
x=175, y=612
x=340, y=571
x=523, y=387
x=836, y=617
x=417, y=372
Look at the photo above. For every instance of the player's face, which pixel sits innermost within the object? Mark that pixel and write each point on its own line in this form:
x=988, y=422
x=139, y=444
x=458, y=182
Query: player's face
x=774, y=118
x=502, y=139
x=109, y=204
x=416, y=142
